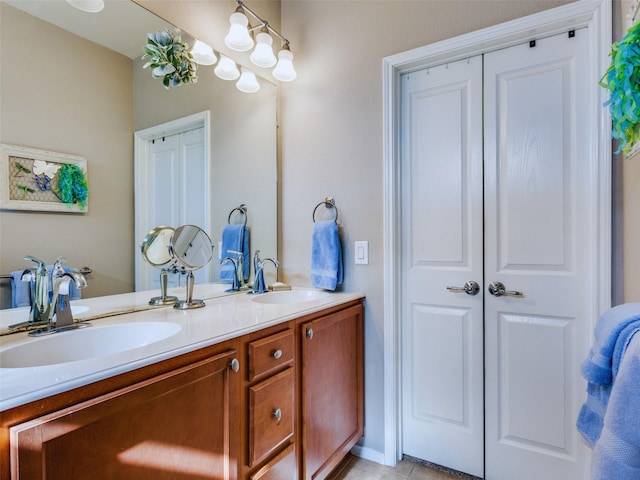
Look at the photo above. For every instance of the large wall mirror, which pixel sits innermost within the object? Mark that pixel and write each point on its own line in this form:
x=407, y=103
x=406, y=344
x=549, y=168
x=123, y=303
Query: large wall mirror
x=63, y=92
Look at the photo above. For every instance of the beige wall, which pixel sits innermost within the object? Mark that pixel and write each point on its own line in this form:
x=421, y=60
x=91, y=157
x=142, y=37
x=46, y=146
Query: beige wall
x=93, y=119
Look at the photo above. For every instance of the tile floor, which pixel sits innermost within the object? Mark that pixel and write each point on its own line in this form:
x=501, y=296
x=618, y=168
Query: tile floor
x=354, y=468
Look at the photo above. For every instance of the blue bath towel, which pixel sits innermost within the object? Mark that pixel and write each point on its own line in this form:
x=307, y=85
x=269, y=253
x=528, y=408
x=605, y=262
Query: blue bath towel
x=235, y=237
x=613, y=333
x=326, y=256
x=616, y=454
x=598, y=368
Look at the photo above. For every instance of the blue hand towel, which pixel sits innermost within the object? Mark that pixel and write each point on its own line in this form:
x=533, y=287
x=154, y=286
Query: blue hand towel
x=20, y=291
x=616, y=454
x=235, y=237
x=326, y=256
x=613, y=333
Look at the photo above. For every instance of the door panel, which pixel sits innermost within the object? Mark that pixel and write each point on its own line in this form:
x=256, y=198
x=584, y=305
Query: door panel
x=442, y=377
x=534, y=218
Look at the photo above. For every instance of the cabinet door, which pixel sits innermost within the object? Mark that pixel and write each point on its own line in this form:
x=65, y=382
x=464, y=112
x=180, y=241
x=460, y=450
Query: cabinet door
x=332, y=386
x=178, y=425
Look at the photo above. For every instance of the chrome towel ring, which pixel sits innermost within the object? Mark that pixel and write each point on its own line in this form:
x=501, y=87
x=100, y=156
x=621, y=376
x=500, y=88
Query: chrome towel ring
x=328, y=202
x=242, y=209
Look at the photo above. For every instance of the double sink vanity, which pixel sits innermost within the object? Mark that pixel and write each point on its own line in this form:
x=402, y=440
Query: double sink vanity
x=258, y=387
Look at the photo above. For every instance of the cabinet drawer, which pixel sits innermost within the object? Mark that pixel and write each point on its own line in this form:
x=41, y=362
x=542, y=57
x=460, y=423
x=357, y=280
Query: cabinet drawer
x=270, y=353
x=282, y=467
x=271, y=415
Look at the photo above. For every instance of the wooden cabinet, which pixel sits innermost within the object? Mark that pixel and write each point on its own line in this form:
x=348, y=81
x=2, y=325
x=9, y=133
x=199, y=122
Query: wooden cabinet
x=174, y=426
x=282, y=403
x=331, y=381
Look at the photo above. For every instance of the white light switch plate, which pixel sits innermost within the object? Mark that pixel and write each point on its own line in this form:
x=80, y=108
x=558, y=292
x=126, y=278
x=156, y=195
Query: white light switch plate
x=361, y=252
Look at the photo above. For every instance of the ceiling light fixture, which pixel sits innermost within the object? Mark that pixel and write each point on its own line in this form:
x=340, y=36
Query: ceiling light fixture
x=89, y=6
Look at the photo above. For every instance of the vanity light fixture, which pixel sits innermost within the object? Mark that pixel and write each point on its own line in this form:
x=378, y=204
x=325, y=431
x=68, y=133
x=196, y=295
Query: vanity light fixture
x=262, y=55
x=248, y=82
x=89, y=6
x=203, y=53
x=284, y=71
x=227, y=69
x=239, y=38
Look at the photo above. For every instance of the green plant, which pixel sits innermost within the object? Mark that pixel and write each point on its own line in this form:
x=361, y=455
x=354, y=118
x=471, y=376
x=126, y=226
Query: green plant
x=623, y=81
x=170, y=59
x=72, y=185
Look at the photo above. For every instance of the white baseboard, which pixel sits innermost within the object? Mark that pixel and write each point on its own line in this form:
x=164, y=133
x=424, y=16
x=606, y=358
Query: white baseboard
x=368, y=454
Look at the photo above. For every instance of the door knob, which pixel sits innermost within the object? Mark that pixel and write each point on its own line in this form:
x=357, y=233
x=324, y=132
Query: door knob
x=497, y=289
x=470, y=288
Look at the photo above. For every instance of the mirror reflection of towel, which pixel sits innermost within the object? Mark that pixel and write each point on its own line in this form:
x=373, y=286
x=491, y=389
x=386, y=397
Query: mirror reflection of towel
x=21, y=291
x=326, y=256
x=235, y=237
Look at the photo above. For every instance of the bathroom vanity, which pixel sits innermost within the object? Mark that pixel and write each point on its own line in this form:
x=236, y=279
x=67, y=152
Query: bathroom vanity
x=244, y=390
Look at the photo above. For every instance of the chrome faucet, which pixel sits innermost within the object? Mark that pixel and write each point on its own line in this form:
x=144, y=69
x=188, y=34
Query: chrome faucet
x=39, y=279
x=61, y=306
x=238, y=282
x=235, y=284
x=259, y=285
x=46, y=308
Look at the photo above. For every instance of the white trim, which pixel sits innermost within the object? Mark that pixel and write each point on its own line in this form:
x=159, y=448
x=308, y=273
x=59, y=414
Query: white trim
x=596, y=15
x=141, y=159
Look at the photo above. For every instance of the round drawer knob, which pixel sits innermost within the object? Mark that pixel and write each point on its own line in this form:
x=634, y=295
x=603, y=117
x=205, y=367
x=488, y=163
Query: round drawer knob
x=277, y=414
x=235, y=365
x=277, y=354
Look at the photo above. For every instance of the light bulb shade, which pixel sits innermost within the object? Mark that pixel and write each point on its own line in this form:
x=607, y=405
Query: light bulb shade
x=248, y=82
x=284, y=70
x=263, y=55
x=227, y=69
x=238, y=38
x=203, y=53
x=90, y=6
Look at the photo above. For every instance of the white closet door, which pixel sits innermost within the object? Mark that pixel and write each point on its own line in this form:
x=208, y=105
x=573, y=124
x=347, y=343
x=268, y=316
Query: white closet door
x=442, y=378
x=195, y=197
x=536, y=222
x=177, y=192
x=164, y=194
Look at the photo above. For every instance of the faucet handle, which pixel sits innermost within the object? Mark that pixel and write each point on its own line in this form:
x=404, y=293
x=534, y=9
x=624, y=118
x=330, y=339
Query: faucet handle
x=58, y=270
x=42, y=267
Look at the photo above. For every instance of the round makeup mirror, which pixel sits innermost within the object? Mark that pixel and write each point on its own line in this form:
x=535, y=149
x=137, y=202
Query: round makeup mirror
x=155, y=247
x=155, y=251
x=191, y=248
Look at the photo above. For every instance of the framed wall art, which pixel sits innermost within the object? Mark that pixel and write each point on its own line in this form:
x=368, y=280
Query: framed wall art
x=40, y=180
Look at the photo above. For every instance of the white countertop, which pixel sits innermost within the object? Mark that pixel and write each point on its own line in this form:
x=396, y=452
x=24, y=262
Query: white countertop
x=222, y=318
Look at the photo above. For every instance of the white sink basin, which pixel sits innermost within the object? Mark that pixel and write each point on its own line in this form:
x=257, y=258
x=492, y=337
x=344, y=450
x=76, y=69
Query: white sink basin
x=85, y=343
x=289, y=296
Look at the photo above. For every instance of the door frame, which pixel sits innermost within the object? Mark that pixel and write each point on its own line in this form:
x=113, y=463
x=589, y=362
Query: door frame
x=596, y=16
x=141, y=165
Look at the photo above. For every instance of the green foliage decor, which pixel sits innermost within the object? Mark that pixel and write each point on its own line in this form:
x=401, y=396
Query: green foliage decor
x=170, y=59
x=72, y=185
x=623, y=81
